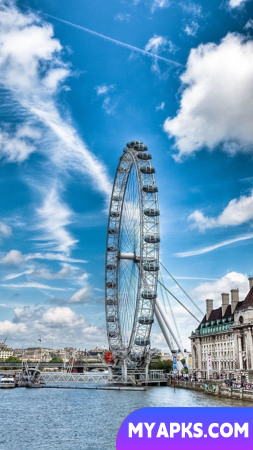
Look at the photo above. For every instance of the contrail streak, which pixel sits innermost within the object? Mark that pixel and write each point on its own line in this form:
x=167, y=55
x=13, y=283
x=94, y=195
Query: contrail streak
x=213, y=247
x=115, y=41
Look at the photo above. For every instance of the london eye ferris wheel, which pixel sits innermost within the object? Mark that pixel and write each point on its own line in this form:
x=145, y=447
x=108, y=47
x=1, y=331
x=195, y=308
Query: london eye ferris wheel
x=132, y=254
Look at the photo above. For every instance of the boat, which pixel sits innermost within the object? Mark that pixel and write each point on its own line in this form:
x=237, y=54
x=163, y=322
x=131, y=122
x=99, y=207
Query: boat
x=7, y=382
x=30, y=377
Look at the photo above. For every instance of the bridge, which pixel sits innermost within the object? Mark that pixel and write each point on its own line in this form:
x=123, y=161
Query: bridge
x=154, y=377
x=66, y=366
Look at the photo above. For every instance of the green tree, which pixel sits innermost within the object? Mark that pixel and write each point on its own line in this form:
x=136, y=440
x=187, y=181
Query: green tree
x=165, y=365
x=13, y=359
x=185, y=369
x=55, y=359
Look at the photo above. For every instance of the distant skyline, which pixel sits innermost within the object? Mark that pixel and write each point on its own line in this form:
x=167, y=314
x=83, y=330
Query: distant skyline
x=78, y=81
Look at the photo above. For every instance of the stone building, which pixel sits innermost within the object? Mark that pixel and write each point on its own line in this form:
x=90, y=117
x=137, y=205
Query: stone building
x=222, y=345
x=5, y=351
x=33, y=354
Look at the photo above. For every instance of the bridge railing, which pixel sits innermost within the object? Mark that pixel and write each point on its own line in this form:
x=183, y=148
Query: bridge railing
x=18, y=365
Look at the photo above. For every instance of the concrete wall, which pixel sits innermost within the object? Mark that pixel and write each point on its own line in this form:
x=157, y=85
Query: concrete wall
x=215, y=388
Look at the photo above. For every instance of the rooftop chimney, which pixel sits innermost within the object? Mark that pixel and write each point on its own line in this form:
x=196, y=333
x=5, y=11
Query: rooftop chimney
x=225, y=303
x=234, y=299
x=209, y=308
x=250, y=282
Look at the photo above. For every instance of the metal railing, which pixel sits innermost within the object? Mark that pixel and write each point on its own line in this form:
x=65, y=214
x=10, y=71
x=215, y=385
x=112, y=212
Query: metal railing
x=18, y=365
x=63, y=377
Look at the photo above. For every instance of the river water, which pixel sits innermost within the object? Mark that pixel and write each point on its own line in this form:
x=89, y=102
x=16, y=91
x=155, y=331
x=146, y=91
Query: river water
x=89, y=419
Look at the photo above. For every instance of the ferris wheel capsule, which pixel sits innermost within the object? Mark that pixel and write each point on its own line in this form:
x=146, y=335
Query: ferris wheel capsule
x=140, y=147
x=114, y=214
x=151, y=266
x=144, y=156
x=149, y=295
x=151, y=212
x=143, y=342
x=150, y=188
x=152, y=238
x=146, y=320
x=112, y=231
x=134, y=143
x=148, y=170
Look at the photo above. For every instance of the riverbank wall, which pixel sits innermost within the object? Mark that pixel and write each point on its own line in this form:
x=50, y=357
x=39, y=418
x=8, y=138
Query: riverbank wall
x=215, y=388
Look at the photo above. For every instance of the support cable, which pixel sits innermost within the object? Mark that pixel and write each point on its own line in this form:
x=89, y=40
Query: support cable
x=166, y=321
x=166, y=289
x=163, y=327
x=182, y=289
x=171, y=310
x=164, y=304
x=178, y=301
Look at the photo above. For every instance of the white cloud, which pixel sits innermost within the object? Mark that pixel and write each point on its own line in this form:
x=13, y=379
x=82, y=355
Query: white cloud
x=191, y=28
x=8, y=328
x=62, y=316
x=109, y=106
x=238, y=211
x=33, y=286
x=53, y=257
x=193, y=9
x=13, y=258
x=81, y=296
x=156, y=45
x=158, y=338
x=249, y=24
x=45, y=273
x=159, y=4
x=122, y=17
x=60, y=325
x=216, y=105
x=5, y=230
x=17, y=146
x=195, y=278
x=31, y=68
x=104, y=90
x=66, y=272
x=231, y=280
x=53, y=217
x=159, y=43
x=160, y=107
x=236, y=3
x=12, y=276
x=213, y=247
x=54, y=78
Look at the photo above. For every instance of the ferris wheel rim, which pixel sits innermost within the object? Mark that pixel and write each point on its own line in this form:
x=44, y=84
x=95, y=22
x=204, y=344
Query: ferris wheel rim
x=147, y=260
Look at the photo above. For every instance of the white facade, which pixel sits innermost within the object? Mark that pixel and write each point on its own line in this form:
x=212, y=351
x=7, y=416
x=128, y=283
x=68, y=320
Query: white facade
x=222, y=345
x=5, y=353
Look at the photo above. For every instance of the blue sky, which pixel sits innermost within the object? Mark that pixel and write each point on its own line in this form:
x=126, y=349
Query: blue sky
x=79, y=80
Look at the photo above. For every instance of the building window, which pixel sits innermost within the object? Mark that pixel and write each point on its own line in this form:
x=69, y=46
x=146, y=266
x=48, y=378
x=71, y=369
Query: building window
x=241, y=319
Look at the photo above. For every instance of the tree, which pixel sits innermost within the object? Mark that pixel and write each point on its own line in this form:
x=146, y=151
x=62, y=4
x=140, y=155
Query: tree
x=13, y=359
x=165, y=365
x=55, y=359
x=185, y=369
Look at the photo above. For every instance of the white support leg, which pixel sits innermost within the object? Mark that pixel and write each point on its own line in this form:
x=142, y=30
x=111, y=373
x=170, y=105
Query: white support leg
x=110, y=373
x=165, y=318
x=162, y=326
x=124, y=372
